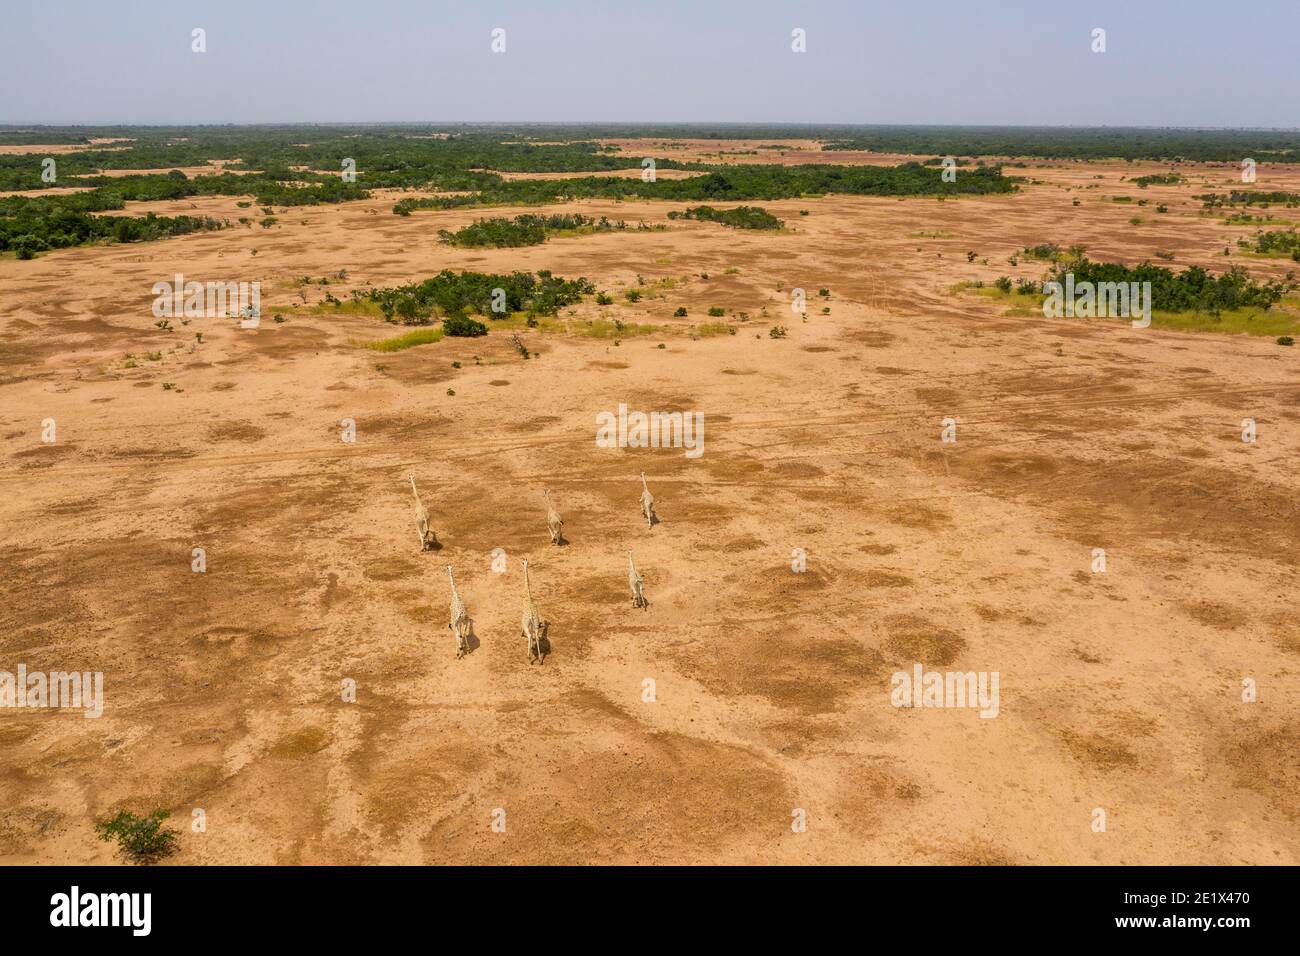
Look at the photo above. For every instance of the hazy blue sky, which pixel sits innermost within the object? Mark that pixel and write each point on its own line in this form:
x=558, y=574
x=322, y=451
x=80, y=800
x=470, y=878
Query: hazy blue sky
x=1168, y=62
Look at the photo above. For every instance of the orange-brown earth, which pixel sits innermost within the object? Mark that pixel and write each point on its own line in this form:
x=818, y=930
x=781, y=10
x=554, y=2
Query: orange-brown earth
x=1120, y=691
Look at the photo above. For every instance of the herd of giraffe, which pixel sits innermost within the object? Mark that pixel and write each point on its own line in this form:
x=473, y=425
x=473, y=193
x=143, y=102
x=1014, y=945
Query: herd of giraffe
x=534, y=628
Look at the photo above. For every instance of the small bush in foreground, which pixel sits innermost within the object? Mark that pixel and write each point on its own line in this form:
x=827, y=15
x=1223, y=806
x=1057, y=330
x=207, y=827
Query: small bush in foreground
x=462, y=326
x=140, y=839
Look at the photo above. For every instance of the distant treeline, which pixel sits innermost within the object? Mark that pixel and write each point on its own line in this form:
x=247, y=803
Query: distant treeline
x=741, y=217
x=1193, y=289
x=1047, y=142
x=1157, y=179
x=1243, y=197
x=408, y=155
x=30, y=224
x=734, y=183
x=525, y=230
x=455, y=294
x=58, y=227
x=382, y=157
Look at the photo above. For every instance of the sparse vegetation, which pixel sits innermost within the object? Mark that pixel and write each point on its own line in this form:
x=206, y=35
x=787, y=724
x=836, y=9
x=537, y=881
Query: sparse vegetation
x=457, y=293
x=142, y=840
x=742, y=217
x=525, y=230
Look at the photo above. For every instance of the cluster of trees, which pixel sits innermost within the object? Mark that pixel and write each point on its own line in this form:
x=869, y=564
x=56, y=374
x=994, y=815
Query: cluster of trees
x=25, y=236
x=300, y=165
x=1244, y=197
x=1282, y=243
x=456, y=294
x=1158, y=179
x=394, y=156
x=1193, y=289
x=741, y=217
x=735, y=183
x=54, y=222
x=524, y=230
x=1046, y=142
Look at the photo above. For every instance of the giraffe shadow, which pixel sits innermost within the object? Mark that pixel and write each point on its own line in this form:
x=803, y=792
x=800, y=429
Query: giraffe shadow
x=433, y=544
x=543, y=644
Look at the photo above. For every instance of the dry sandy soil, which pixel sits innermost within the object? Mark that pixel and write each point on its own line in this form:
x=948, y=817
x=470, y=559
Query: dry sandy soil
x=1120, y=691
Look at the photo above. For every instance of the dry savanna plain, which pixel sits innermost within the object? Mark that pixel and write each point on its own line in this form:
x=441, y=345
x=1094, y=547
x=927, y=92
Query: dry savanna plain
x=769, y=694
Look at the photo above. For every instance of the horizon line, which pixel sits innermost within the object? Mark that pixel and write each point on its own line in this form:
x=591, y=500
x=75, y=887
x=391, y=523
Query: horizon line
x=775, y=124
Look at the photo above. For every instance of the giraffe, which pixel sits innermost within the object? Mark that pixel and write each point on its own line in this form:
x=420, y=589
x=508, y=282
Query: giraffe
x=647, y=504
x=636, y=584
x=460, y=625
x=534, y=627
x=427, y=537
x=553, y=520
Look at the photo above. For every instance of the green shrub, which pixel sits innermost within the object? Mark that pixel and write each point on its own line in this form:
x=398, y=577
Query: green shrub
x=742, y=217
x=140, y=839
x=462, y=326
x=717, y=311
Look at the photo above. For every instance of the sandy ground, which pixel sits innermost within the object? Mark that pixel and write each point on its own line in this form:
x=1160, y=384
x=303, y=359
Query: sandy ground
x=1119, y=690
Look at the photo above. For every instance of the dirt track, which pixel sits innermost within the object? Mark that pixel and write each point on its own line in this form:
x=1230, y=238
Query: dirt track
x=1119, y=690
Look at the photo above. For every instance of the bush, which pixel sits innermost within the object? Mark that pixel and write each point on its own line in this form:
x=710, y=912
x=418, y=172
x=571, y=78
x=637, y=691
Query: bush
x=681, y=312
x=742, y=217
x=776, y=332
x=140, y=839
x=717, y=311
x=1003, y=284
x=453, y=293
x=26, y=247
x=603, y=299
x=462, y=326
x=1193, y=289
x=528, y=230
x=1285, y=340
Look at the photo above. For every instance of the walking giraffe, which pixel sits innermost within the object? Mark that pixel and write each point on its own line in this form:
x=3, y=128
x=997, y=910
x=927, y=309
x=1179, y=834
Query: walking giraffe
x=427, y=537
x=534, y=628
x=647, y=504
x=554, y=523
x=636, y=584
x=460, y=624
